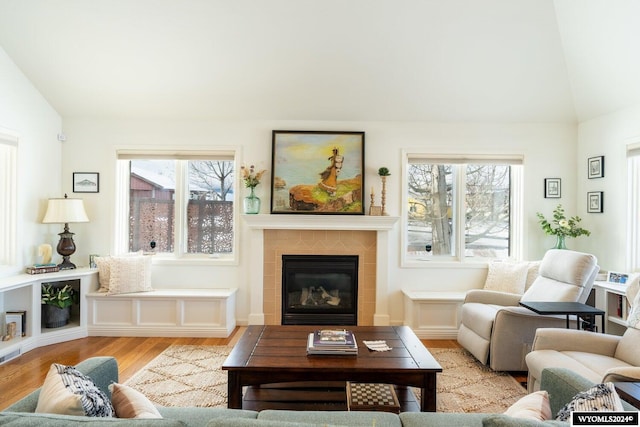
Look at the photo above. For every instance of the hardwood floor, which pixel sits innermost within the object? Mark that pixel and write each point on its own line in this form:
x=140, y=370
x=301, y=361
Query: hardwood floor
x=20, y=376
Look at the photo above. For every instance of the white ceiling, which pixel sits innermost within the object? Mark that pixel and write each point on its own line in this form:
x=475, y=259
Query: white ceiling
x=418, y=60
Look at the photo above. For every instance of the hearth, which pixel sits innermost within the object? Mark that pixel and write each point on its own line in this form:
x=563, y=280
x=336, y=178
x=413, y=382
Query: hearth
x=319, y=289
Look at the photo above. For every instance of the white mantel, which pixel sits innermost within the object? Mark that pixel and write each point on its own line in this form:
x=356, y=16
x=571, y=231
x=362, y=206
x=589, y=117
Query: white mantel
x=381, y=224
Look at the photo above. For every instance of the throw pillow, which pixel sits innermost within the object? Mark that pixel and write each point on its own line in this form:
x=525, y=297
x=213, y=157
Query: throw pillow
x=601, y=397
x=532, y=273
x=633, y=320
x=67, y=391
x=130, y=274
x=506, y=277
x=104, y=272
x=130, y=403
x=535, y=406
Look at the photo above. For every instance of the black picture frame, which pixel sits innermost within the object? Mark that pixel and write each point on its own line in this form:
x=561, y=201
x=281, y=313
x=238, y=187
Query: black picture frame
x=552, y=188
x=595, y=167
x=86, y=182
x=317, y=172
x=595, y=201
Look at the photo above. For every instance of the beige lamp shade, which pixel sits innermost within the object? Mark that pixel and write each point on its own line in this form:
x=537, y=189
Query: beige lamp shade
x=62, y=211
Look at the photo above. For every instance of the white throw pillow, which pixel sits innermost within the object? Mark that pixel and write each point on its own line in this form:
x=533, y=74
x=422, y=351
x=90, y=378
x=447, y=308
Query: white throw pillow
x=535, y=406
x=130, y=274
x=507, y=276
x=104, y=272
x=67, y=391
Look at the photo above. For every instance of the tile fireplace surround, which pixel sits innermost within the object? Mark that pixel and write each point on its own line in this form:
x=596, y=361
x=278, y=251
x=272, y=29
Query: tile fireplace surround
x=275, y=235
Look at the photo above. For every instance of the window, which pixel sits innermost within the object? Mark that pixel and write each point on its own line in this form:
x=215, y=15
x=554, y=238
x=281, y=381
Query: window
x=461, y=207
x=633, y=225
x=8, y=201
x=180, y=204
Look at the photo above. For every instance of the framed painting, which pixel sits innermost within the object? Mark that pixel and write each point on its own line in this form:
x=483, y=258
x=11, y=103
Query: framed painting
x=317, y=172
x=595, y=201
x=552, y=188
x=596, y=167
x=86, y=182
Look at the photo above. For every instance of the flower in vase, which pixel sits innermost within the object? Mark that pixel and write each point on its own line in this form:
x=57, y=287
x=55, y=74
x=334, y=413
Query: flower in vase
x=562, y=226
x=250, y=176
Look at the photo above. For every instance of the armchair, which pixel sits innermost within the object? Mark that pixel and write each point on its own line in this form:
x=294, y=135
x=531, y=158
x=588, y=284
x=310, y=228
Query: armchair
x=597, y=357
x=499, y=332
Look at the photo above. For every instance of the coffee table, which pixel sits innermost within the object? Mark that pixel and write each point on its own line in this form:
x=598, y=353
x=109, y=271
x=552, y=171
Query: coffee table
x=278, y=354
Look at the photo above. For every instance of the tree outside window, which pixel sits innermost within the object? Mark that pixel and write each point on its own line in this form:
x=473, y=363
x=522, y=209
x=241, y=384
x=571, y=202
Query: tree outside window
x=446, y=199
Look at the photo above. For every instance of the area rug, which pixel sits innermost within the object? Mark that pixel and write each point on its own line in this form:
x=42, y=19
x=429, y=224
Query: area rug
x=190, y=375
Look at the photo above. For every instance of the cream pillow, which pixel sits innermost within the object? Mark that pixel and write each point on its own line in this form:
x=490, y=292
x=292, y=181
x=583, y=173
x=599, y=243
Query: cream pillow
x=130, y=274
x=535, y=406
x=130, y=403
x=104, y=272
x=67, y=391
x=506, y=277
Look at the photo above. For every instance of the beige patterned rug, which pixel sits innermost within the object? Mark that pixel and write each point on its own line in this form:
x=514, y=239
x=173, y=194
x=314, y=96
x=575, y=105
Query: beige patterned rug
x=190, y=375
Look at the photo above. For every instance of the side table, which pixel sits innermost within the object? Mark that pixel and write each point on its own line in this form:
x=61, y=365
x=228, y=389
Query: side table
x=565, y=308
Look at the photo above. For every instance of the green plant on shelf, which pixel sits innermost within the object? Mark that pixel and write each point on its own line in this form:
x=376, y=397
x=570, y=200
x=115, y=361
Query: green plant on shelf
x=60, y=297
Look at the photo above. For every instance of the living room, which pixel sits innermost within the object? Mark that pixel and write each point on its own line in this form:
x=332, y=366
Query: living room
x=552, y=82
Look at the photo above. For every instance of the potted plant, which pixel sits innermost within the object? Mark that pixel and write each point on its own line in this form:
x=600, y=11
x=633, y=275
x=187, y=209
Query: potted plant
x=56, y=304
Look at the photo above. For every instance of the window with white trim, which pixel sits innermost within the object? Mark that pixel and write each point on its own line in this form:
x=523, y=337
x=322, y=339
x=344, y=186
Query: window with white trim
x=8, y=201
x=633, y=210
x=461, y=207
x=178, y=204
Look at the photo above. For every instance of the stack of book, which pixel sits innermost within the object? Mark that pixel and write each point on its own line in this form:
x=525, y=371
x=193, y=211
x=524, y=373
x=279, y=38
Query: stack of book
x=42, y=268
x=334, y=342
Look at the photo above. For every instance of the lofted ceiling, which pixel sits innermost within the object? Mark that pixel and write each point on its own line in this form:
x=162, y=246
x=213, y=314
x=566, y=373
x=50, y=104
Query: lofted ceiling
x=399, y=60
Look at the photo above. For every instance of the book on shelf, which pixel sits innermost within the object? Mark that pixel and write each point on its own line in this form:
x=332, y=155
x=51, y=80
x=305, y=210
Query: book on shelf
x=42, y=268
x=346, y=349
x=19, y=317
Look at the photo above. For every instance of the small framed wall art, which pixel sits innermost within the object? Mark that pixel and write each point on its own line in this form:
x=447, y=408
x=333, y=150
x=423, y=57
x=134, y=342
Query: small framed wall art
x=596, y=167
x=595, y=201
x=86, y=182
x=552, y=189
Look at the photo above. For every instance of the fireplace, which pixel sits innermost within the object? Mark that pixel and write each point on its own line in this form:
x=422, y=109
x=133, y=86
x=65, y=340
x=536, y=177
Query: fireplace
x=319, y=289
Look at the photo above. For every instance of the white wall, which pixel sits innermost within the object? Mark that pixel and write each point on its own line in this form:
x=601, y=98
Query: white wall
x=550, y=151
x=25, y=112
x=607, y=135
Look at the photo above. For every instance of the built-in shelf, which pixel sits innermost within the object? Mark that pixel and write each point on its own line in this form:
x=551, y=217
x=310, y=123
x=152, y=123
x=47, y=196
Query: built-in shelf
x=611, y=297
x=22, y=292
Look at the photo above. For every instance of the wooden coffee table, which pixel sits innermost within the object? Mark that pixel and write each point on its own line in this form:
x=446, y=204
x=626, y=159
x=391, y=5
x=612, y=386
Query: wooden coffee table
x=278, y=354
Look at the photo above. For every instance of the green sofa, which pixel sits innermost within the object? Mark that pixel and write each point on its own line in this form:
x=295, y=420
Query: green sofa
x=561, y=384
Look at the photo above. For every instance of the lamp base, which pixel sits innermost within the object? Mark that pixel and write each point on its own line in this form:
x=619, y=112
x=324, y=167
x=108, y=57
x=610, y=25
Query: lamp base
x=66, y=247
x=66, y=264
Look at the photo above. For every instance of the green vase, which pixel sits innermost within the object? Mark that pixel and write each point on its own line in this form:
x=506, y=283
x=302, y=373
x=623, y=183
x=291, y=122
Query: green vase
x=252, y=203
x=560, y=243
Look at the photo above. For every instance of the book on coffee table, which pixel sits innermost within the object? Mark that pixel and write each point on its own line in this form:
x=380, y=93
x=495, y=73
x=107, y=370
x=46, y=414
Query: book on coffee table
x=333, y=337
x=348, y=348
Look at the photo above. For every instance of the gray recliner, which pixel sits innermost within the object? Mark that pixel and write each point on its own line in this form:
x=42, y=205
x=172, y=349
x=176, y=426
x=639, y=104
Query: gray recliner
x=499, y=332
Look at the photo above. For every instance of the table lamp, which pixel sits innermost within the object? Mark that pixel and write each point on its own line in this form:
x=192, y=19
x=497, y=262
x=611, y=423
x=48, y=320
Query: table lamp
x=65, y=211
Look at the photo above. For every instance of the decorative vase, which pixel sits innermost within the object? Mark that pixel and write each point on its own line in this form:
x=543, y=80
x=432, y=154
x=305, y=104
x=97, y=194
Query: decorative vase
x=560, y=242
x=252, y=203
x=55, y=317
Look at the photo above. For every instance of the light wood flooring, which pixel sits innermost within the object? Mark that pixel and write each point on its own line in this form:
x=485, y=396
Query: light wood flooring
x=20, y=376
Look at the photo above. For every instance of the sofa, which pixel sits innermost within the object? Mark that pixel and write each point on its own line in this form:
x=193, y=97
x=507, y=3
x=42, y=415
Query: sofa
x=499, y=332
x=561, y=384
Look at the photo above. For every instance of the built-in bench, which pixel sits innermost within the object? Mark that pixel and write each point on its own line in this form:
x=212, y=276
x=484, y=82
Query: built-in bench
x=163, y=312
x=432, y=314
